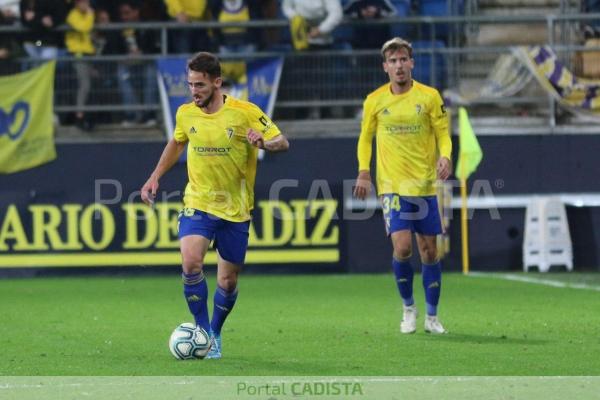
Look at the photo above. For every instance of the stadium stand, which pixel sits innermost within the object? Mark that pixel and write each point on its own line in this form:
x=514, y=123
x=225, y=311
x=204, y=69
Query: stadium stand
x=478, y=33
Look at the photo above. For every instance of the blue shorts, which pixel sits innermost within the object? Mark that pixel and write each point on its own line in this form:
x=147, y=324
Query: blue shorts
x=418, y=214
x=229, y=238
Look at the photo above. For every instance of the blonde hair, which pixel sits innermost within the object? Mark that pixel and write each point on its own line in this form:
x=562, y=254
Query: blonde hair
x=396, y=44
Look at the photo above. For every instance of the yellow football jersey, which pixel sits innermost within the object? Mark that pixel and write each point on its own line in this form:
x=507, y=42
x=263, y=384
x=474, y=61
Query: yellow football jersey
x=412, y=132
x=221, y=163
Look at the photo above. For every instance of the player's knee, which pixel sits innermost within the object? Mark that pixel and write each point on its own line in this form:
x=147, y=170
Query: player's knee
x=402, y=256
x=227, y=282
x=402, y=252
x=192, y=265
x=429, y=256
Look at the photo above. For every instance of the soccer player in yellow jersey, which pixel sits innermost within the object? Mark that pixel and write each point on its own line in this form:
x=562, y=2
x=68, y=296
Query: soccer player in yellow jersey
x=223, y=136
x=413, y=151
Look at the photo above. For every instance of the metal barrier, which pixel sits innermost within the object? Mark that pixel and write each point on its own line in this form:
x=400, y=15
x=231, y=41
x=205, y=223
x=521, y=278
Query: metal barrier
x=339, y=77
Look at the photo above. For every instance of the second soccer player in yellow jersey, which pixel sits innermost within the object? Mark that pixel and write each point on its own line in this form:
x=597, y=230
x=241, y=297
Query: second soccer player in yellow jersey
x=409, y=122
x=223, y=136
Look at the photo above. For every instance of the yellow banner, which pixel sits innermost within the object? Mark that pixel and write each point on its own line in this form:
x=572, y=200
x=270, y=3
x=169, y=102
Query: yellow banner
x=26, y=123
x=86, y=235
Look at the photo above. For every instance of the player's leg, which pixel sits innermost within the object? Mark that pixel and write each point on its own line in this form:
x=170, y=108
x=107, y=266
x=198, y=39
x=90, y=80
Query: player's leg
x=225, y=294
x=195, y=288
x=231, y=240
x=400, y=231
x=196, y=230
x=427, y=229
x=223, y=302
x=432, y=271
x=402, y=243
x=404, y=273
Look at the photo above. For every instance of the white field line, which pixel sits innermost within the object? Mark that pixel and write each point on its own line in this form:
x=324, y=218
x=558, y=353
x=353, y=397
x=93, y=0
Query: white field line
x=127, y=381
x=538, y=281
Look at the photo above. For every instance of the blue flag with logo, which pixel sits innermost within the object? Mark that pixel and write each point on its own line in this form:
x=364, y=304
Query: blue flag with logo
x=26, y=119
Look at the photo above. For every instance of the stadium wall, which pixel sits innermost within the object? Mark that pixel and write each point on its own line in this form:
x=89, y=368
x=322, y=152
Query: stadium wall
x=49, y=216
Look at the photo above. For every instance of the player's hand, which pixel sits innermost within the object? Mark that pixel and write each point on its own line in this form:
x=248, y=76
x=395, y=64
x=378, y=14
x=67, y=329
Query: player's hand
x=314, y=32
x=149, y=191
x=255, y=139
x=444, y=168
x=362, y=188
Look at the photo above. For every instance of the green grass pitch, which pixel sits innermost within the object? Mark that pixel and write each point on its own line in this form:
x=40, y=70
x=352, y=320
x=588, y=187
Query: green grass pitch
x=301, y=325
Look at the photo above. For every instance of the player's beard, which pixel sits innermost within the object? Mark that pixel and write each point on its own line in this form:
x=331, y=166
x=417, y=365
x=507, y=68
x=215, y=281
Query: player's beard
x=402, y=77
x=206, y=102
x=405, y=80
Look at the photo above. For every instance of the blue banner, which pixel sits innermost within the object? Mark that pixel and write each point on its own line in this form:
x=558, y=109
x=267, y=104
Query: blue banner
x=173, y=88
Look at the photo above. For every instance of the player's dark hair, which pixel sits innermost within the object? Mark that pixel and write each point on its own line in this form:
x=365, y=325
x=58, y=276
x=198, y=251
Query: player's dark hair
x=394, y=45
x=207, y=63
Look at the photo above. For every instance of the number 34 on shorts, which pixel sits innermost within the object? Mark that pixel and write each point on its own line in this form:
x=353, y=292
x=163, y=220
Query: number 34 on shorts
x=415, y=213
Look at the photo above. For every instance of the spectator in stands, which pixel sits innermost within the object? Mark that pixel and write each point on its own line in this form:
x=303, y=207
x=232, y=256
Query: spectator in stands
x=312, y=24
x=369, y=36
x=235, y=39
x=41, y=17
x=320, y=17
x=79, y=44
x=107, y=6
x=9, y=48
x=188, y=40
x=9, y=10
x=135, y=42
x=269, y=9
x=105, y=42
x=153, y=10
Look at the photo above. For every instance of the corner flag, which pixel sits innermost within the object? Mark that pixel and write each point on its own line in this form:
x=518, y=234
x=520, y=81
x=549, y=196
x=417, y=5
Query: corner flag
x=469, y=152
x=469, y=157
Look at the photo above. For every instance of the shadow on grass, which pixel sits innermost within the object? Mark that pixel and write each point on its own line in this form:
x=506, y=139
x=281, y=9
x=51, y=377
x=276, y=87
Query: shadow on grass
x=484, y=339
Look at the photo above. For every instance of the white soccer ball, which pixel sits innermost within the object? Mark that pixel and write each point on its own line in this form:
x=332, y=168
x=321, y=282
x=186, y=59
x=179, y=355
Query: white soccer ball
x=189, y=342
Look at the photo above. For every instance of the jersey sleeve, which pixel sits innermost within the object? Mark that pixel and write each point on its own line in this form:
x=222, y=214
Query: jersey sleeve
x=258, y=121
x=178, y=133
x=439, y=123
x=367, y=133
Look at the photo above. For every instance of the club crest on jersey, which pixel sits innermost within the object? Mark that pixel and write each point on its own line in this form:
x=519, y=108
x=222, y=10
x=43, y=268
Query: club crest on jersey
x=192, y=130
x=229, y=132
x=418, y=107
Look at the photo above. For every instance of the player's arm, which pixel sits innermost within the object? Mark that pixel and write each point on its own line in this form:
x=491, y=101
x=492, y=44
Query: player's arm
x=439, y=122
x=362, y=187
x=263, y=133
x=277, y=144
x=169, y=157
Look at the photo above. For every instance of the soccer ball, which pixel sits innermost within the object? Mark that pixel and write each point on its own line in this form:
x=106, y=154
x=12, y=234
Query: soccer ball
x=189, y=342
